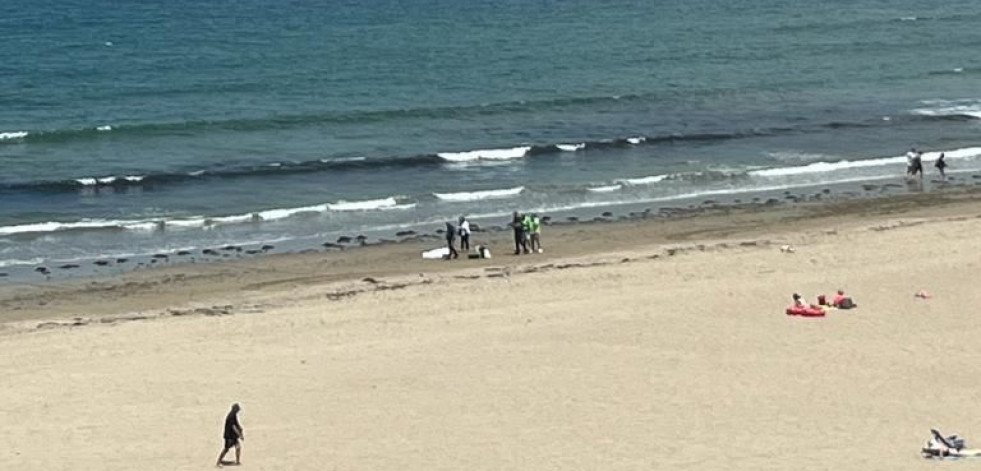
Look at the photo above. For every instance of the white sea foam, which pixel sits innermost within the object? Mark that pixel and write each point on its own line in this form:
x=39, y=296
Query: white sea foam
x=825, y=167
x=13, y=263
x=13, y=135
x=143, y=226
x=274, y=214
x=104, y=128
x=53, y=226
x=485, y=154
x=964, y=110
x=908, y=18
x=343, y=159
x=234, y=219
x=793, y=156
x=367, y=205
x=109, y=180
x=187, y=223
x=636, y=140
x=480, y=195
x=196, y=173
x=571, y=147
x=605, y=189
x=966, y=107
x=643, y=180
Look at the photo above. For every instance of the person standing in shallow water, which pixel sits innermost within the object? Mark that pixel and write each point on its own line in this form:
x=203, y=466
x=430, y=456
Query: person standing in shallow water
x=941, y=165
x=233, y=435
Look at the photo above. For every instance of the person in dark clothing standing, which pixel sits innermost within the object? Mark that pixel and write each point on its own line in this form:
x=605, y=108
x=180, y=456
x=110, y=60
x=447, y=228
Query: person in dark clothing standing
x=450, y=241
x=233, y=436
x=941, y=165
x=520, y=244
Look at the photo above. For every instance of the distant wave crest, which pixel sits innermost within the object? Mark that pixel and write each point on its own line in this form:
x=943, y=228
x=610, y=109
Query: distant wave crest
x=480, y=195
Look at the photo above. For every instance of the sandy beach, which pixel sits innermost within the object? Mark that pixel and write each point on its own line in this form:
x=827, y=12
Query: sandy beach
x=650, y=344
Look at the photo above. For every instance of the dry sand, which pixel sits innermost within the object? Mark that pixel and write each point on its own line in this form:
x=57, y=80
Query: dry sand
x=665, y=349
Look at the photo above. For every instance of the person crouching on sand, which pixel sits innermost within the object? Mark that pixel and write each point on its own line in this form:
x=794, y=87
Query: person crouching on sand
x=234, y=436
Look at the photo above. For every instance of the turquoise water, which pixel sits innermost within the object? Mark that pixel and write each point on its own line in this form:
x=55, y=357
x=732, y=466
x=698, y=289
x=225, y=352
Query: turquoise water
x=131, y=127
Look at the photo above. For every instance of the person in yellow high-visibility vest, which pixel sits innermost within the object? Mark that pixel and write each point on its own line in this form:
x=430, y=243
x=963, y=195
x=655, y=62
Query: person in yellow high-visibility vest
x=535, y=227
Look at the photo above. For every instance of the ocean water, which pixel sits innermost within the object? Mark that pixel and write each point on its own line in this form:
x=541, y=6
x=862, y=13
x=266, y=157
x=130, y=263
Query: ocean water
x=139, y=127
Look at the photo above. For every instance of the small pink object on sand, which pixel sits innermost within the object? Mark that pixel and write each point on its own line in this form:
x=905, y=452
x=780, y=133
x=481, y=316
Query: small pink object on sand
x=923, y=294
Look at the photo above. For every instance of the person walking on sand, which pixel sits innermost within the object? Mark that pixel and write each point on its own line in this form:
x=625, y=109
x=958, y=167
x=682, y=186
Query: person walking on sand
x=234, y=436
x=941, y=165
x=464, y=234
x=450, y=240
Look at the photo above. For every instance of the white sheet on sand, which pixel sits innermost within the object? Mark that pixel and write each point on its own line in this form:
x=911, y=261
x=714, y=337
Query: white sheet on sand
x=436, y=254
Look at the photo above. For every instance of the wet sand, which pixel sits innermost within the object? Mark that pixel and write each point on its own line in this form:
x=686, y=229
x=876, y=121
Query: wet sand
x=648, y=343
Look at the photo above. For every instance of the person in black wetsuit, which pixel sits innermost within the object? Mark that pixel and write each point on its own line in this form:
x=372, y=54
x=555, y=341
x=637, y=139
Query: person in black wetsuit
x=233, y=436
x=941, y=165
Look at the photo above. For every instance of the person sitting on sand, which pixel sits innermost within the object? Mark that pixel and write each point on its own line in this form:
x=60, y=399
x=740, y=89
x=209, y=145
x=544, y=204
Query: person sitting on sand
x=233, y=435
x=841, y=301
x=799, y=301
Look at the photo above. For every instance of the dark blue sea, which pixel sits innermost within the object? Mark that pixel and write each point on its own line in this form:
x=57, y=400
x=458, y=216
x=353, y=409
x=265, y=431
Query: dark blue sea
x=134, y=127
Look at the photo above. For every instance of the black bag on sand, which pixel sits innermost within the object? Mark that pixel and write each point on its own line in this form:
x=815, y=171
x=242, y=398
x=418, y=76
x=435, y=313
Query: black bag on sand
x=847, y=303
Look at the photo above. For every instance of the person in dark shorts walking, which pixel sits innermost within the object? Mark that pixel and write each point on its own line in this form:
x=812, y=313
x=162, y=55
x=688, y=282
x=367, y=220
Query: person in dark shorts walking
x=233, y=436
x=451, y=241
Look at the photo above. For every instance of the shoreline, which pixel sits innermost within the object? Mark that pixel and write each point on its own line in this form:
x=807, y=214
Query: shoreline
x=32, y=268
x=222, y=287
x=637, y=344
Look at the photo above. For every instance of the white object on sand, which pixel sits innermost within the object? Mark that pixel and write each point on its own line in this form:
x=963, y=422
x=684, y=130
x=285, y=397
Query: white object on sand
x=787, y=249
x=436, y=254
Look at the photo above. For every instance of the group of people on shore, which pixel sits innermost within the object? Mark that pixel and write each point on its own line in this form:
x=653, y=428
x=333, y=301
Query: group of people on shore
x=527, y=229
x=914, y=165
x=463, y=230
x=527, y=233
